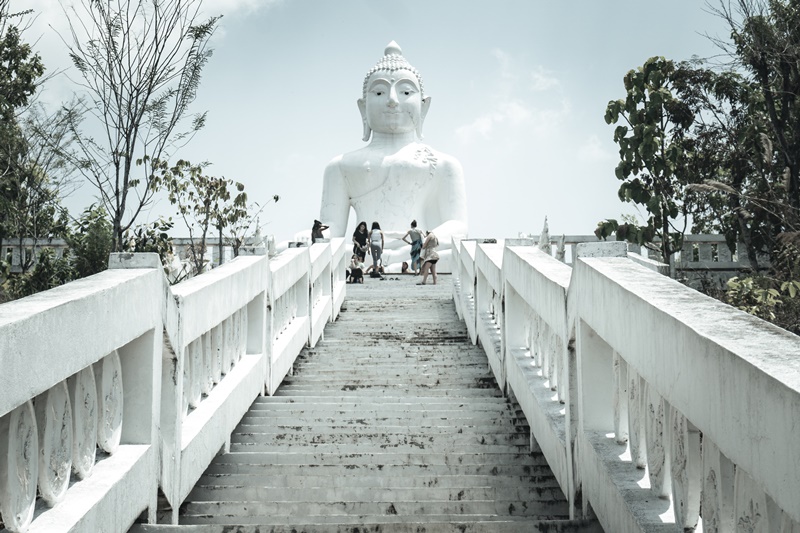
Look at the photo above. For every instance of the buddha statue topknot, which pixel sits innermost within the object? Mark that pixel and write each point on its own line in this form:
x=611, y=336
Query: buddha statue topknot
x=395, y=178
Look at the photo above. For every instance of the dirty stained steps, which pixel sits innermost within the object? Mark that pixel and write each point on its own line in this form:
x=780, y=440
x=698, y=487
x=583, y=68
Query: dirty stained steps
x=393, y=422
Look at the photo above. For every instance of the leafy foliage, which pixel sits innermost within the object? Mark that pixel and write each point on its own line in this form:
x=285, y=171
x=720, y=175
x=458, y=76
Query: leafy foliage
x=652, y=148
x=204, y=202
x=48, y=272
x=153, y=237
x=90, y=242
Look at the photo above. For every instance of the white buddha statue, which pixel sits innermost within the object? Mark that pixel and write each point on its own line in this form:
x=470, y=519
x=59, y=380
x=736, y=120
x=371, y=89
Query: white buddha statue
x=396, y=178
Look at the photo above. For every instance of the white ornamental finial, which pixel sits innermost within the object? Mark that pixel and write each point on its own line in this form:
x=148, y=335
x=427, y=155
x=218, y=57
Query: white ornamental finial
x=393, y=49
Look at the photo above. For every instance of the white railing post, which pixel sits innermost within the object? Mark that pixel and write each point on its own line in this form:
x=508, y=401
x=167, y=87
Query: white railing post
x=214, y=366
x=290, y=316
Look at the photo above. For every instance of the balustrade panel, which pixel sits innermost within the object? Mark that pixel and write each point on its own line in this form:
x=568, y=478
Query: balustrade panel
x=686, y=470
x=54, y=422
x=19, y=466
x=83, y=398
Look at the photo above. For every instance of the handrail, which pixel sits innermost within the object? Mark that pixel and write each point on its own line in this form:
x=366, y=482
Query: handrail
x=77, y=373
x=644, y=395
x=214, y=355
x=169, y=370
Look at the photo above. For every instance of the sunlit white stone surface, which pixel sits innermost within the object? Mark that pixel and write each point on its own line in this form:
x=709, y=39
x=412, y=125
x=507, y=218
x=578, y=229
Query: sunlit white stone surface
x=396, y=178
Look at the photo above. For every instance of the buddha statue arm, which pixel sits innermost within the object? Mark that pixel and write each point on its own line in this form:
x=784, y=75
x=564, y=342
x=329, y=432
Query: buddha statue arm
x=335, y=206
x=451, y=200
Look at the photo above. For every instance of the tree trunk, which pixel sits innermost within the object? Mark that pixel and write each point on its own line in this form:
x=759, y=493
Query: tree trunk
x=221, y=249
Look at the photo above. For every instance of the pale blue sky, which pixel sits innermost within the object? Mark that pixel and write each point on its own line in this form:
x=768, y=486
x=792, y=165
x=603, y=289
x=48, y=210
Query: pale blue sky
x=519, y=92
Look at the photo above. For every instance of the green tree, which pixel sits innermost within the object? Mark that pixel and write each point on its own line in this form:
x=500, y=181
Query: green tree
x=204, y=203
x=765, y=46
x=90, y=242
x=141, y=65
x=653, y=155
x=20, y=69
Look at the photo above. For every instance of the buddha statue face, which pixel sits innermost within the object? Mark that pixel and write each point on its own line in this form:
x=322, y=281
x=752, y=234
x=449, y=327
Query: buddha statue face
x=393, y=100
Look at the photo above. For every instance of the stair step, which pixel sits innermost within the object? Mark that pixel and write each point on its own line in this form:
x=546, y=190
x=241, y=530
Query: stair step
x=385, y=524
x=234, y=494
x=538, y=471
x=250, y=512
x=406, y=478
x=396, y=425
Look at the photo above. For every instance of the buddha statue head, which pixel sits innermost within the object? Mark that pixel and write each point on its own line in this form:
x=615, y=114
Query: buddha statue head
x=393, y=100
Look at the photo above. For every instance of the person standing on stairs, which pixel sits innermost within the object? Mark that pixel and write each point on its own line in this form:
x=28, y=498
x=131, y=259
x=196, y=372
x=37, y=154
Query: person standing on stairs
x=429, y=257
x=376, y=244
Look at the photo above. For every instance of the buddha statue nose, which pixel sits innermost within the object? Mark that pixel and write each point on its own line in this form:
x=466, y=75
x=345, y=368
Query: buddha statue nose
x=393, y=100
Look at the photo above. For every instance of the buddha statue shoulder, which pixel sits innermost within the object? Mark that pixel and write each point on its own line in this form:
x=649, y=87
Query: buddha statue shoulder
x=395, y=178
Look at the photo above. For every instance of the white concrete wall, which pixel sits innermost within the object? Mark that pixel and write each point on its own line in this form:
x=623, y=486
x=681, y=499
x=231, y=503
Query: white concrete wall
x=152, y=373
x=646, y=397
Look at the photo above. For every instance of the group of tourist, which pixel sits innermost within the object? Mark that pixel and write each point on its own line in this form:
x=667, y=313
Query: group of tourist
x=372, y=242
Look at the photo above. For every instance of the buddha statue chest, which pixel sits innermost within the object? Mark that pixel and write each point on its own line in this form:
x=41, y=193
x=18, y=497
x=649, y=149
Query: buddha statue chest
x=384, y=186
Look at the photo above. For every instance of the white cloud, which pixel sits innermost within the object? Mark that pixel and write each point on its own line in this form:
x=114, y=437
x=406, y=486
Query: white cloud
x=230, y=7
x=594, y=151
x=543, y=80
x=518, y=103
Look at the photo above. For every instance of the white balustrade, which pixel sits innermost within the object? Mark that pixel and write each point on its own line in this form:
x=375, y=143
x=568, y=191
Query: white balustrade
x=456, y=259
x=467, y=281
x=489, y=305
x=321, y=290
x=85, y=364
x=662, y=408
x=340, y=261
x=217, y=365
x=291, y=320
x=78, y=365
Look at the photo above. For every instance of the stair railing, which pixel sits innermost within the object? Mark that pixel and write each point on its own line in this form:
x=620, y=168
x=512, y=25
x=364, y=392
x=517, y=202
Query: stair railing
x=214, y=356
x=140, y=384
x=649, y=400
x=79, y=388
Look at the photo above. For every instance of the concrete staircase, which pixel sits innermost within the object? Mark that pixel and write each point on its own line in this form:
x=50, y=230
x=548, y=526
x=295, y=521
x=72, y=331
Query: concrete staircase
x=393, y=423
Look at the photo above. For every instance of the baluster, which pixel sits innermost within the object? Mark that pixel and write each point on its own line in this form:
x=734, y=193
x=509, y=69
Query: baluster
x=561, y=358
x=717, y=494
x=536, y=349
x=723, y=252
x=551, y=358
x=636, y=417
x=243, y=321
x=208, y=363
x=187, y=383
x=749, y=505
x=686, y=469
x=216, y=352
x=194, y=372
x=779, y=520
x=620, y=399
x=108, y=379
x=19, y=466
x=83, y=397
x=228, y=347
x=657, y=432
x=704, y=252
x=54, y=423
x=235, y=334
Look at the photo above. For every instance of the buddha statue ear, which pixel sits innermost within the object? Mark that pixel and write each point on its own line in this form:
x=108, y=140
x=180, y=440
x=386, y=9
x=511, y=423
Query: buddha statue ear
x=423, y=112
x=362, y=107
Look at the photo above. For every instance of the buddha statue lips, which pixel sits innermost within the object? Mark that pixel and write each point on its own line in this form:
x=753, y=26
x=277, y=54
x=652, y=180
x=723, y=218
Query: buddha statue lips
x=395, y=178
